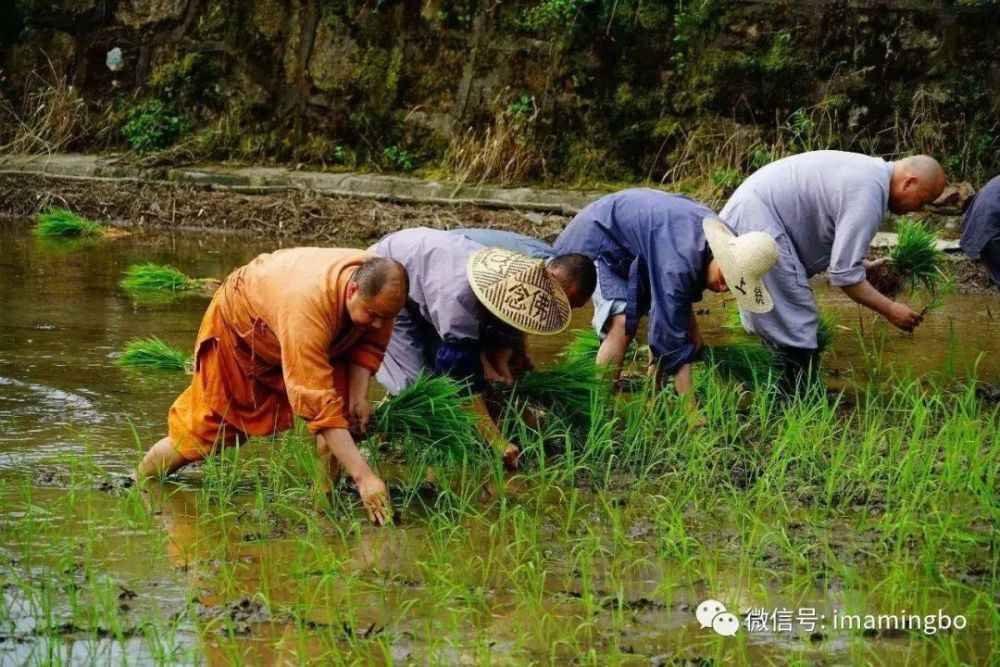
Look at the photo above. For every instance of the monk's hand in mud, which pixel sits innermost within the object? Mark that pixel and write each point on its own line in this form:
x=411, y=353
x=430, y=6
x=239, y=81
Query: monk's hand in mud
x=375, y=497
x=360, y=412
x=511, y=456
x=903, y=316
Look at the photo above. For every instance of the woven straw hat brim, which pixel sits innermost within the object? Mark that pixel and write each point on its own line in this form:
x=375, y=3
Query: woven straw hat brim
x=517, y=290
x=745, y=260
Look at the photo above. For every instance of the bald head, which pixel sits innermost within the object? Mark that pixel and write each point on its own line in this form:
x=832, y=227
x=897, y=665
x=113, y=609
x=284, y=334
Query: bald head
x=377, y=292
x=916, y=181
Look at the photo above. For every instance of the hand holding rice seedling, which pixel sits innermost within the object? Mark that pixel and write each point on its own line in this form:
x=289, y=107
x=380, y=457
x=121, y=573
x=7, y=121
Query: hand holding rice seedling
x=152, y=353
x=62, y=223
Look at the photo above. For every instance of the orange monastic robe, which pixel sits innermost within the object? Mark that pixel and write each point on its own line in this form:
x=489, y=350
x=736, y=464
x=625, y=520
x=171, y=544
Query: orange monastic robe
x=275, y=343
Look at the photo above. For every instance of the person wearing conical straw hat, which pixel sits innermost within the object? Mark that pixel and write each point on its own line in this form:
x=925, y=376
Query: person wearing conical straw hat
x=823, y=208
x=458, y=290
x=508, y=357
x=655, y=254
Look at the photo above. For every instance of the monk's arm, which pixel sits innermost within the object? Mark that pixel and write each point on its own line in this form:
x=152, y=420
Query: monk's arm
x=612, y=350
x=358, y=379
x=898, y=313
x=337, y=445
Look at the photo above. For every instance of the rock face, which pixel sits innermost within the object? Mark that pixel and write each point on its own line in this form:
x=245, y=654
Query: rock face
x=956, y=195
x=610, y=91
x=143, y=13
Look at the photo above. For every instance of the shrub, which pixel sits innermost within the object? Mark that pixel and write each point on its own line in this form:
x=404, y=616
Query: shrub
x=151, y=127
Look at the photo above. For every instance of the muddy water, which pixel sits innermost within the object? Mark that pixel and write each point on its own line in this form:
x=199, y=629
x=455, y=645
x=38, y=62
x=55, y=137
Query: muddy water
x=63, y=321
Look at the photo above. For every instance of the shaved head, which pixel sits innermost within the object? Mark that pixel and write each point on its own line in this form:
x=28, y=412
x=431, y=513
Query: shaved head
x=377, y=292
x=916, y=181
x=381, y=273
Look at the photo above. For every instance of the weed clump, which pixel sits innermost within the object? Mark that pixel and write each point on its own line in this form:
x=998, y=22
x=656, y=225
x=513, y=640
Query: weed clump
x=157, y=277
x=63, y=223
x=152, y=353
x=431, y=418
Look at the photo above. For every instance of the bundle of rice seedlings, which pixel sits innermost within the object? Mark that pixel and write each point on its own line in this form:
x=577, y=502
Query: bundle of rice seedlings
x=826, y=332
x=583, y=345
x=153, y=353
x=916, y=255
x=157, y=277
x=432, y=417
x=914, y=261
x=66, y=224
x=568, y=389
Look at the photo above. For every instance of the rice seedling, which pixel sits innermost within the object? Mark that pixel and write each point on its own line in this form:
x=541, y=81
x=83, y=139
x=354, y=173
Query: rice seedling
x=157, y=277
x=583, y=344
x=572, y=389
x=153, y=354
x=66, y=224
x=431, y=417
x=916, y=256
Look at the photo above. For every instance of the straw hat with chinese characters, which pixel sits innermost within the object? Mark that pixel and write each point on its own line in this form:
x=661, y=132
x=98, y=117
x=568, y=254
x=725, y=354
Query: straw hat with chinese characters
x=745, y=260
x=518, y=290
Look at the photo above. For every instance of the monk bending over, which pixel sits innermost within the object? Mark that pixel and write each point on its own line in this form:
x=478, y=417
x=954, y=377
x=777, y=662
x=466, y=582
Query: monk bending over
x=295, y=332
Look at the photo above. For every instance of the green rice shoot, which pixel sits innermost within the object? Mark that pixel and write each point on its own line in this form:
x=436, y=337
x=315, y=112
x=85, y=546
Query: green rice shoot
x=153, y=354
x=584, y=344
x=157, y=277
x=571, y=389
x=432, y=416
x=63, y=223
x=916, y=256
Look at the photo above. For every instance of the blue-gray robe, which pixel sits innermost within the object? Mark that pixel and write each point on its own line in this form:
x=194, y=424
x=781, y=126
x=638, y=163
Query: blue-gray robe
x=651, y=251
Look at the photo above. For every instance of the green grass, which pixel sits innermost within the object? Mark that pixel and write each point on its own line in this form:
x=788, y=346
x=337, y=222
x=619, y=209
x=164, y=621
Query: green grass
x=62, y=223
x=157, y=277
x=916, y=255
x=152, y=353
x=430, y=418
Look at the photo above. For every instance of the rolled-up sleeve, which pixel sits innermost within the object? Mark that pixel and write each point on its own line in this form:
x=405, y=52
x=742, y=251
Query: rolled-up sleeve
x=305, y=337
x=370, y=348
x=860, y=216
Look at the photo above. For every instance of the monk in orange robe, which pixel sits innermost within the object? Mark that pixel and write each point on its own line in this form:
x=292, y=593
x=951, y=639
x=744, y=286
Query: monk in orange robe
x=294, y=332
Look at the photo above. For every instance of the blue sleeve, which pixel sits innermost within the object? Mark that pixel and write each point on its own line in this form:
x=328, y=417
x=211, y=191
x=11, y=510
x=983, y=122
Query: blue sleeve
x=668, y=334
x=460, y=361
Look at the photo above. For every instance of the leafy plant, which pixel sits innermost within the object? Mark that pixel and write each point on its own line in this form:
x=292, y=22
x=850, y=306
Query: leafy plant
x=152, y=353
x=399, y=158
x=158, y=278
x=151, y=127
x=727, y=179
x=61, y=222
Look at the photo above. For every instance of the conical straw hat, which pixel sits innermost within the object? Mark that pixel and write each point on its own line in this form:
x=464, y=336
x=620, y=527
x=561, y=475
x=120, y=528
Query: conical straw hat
x=745, y=260
x=518, y=290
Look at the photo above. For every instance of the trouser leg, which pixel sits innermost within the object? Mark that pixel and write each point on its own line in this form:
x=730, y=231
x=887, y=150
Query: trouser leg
x=798, y=368
x=991, y=257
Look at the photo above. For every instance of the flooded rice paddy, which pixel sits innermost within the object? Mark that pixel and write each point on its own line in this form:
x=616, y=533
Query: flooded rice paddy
x=880, y=501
